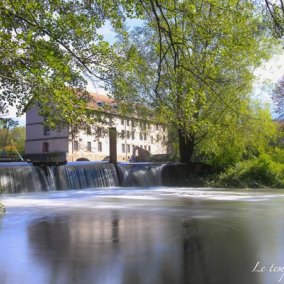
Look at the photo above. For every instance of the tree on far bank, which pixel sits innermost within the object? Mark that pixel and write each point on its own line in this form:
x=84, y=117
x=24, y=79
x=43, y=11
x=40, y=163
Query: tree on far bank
x=192, y=63
x=6, y=124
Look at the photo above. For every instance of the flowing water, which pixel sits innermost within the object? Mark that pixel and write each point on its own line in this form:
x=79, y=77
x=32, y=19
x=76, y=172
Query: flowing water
x=24, y=177
x=159, y=235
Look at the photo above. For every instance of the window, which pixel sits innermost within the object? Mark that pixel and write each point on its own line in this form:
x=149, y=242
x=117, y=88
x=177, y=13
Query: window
x=123, y=148
x=100, y=147
x=133, y=148
x=152, y=139
x=141, y=136
x=164, y=128
x=145, y=147
x=127, y=122
x=164, y=138
x=145, y=136
x=157, y=127
x=75, y=146
x=122, y=134
x=100, y=104
x=157, y=137
x=132, y=123
x=46, y=130
x=122, y=121
x=128, y=148
x=99, y=132
x=128, y=134
x=133, y=135
x=149, y=148
x=45, y=147
x=89, y=130
x=89, y=146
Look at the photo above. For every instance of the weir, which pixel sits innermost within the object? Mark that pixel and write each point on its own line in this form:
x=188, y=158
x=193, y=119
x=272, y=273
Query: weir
x=24, y=177
x=141, y=174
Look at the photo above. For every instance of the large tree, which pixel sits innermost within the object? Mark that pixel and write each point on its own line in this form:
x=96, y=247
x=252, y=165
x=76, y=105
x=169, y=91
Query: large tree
x=192, y=63
x=47, y=50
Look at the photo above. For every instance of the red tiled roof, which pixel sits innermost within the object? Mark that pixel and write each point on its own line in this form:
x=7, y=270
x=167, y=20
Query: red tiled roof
x=96, y=99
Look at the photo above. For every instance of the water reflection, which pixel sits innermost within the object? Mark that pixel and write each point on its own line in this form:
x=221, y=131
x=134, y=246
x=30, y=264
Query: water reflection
x=120, y=247
x=167, y=240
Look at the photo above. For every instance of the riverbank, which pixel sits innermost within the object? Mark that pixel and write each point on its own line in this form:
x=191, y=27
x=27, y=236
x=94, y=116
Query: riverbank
x=261, y=172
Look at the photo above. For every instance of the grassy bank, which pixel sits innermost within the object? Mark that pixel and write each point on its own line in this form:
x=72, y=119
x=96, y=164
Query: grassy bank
x=264, y=171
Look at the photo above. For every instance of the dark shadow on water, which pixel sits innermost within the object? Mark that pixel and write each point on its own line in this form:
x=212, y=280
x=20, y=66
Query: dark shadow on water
x=124, y=247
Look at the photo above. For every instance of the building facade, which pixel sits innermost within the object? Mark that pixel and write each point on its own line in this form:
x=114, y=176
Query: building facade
x=134, y=136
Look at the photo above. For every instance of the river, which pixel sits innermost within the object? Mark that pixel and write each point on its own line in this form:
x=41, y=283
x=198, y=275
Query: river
x=140, y=235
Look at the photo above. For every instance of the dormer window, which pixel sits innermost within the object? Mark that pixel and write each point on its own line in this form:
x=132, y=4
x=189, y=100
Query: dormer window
x=100, y=104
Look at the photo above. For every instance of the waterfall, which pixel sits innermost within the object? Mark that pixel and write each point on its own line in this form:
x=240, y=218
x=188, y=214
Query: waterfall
x=22, y=177
x=141, y=174
x=85, y=175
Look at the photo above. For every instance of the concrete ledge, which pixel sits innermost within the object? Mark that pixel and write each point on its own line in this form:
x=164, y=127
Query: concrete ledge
x=178, y=174
x=46, y=159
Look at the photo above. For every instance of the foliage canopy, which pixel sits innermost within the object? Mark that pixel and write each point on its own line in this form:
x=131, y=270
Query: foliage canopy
x=49, y=47
x=193, y=62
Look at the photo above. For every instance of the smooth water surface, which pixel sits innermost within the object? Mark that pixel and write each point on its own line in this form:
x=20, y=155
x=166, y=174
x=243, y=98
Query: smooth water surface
x=139, y=236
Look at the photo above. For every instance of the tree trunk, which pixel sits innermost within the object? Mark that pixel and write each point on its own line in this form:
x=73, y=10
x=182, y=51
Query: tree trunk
x=186, y=148
x=6, y=137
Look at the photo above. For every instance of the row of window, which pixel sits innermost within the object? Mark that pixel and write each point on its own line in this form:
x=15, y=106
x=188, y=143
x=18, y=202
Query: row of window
x=125, y=148
x=46, y=131
x=142, y=136
x=89, y=146
x=142, y=124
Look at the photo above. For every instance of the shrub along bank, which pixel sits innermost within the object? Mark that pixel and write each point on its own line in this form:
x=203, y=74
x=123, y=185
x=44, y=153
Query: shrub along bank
x=259, y=172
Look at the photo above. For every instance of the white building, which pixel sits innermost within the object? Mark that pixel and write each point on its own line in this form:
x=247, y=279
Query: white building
x=133, y=134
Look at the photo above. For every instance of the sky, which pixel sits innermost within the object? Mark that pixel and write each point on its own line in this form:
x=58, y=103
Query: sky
x=266, y=76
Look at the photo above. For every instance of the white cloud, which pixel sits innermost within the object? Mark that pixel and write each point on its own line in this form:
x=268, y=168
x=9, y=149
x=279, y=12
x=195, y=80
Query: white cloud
x=267, y=76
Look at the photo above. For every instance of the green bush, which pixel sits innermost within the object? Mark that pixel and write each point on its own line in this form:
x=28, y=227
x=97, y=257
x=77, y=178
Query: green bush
x=254, y=173
x=277, y=154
